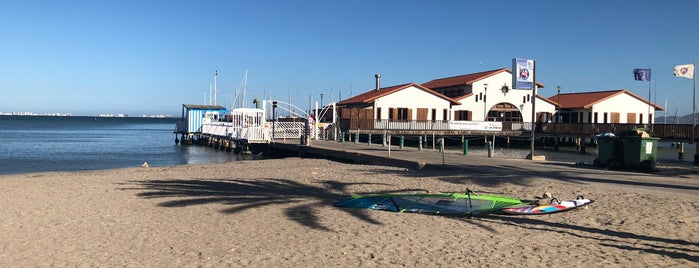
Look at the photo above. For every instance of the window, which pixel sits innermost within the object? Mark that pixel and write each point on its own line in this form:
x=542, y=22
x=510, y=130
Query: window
x=445, y=114
x=434, y=114
x=596, y=118
x=402, y=114
x=399, y=114
x=422, y=114
x=640, y=118
x=605, y=118
x=462, y=115
x=378, y=113
x=616, y=117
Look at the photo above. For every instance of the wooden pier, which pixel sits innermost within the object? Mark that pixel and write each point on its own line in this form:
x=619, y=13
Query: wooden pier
x=247, y=129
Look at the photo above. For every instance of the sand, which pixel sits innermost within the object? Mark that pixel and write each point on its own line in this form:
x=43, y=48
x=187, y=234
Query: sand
x=280, y=213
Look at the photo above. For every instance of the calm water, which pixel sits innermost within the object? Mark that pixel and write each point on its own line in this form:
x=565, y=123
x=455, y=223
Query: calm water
x=40, y=144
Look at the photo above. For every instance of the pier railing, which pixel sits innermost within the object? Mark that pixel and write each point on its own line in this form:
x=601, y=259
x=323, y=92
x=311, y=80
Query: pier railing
x=290, y=130
x=666, y=131
x=229, y=130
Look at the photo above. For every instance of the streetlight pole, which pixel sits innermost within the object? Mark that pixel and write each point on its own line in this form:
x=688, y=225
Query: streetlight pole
x=485, y=102
x=558, y=113
x=558, y=105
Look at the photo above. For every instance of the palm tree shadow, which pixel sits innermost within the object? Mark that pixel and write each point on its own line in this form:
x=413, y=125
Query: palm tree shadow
x=302, y=201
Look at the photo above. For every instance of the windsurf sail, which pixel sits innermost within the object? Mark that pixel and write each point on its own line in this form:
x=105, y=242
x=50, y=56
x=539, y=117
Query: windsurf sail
x=439, y=203
x=553, y=207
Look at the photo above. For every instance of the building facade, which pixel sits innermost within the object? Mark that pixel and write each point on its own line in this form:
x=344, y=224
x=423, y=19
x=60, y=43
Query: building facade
x=606, y=107
x=488, y=96
x=407, y=102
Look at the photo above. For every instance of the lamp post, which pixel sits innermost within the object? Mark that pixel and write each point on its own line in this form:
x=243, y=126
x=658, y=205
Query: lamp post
x=485, y=102
x=558, y=106
x=274, y=118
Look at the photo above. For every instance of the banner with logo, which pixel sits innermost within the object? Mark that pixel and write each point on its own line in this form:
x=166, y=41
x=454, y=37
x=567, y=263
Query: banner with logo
x=685, y=70
x=523, y=74
x=641, y=74
x=475, y=125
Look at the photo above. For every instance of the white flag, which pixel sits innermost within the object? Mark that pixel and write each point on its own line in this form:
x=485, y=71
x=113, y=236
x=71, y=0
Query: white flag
x=685, y=70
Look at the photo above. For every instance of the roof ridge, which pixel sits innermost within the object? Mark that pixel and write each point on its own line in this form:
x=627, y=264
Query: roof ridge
x=591, y=92
x=478, y=73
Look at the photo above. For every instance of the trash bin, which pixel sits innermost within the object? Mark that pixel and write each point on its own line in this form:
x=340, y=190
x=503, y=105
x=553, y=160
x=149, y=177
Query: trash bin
x=610, y=151
x=640, y=153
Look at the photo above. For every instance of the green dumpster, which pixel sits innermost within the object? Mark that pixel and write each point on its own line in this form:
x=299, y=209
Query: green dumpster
x=640, y=153
x=610, y=152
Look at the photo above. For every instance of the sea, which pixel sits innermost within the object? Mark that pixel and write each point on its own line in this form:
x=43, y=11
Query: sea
x=30, y=144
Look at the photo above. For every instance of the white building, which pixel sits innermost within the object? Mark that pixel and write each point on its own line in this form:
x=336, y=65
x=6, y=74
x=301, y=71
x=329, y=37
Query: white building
x=490, y=93
x=405, y=102
x=488, y=96
x=612, y=106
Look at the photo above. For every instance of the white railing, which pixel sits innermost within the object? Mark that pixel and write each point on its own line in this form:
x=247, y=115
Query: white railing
x=282, y=130
x=411, y=125
x=288, y=130
x=224, y=129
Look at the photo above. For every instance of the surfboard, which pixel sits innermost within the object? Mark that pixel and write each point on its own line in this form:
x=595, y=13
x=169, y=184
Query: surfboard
x=440, y=203
x=553, y=207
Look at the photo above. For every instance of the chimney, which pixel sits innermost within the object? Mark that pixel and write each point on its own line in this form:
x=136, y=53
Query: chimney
x=378, y=81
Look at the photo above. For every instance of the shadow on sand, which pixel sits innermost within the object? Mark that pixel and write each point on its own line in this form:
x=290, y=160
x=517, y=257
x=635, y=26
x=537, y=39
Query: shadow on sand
x=304, y=201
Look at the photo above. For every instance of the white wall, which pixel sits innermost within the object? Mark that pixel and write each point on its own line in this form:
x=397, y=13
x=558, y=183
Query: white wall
x=495, y=96
x=622, y=104
x=412, y=98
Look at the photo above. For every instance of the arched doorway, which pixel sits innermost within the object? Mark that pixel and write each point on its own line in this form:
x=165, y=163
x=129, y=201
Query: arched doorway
x=504, y=112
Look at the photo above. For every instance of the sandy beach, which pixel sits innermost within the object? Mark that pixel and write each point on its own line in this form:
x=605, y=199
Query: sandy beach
x=280, y=213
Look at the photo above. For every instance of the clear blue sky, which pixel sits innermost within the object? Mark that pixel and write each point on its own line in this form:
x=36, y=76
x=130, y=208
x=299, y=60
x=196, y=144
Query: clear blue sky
x=89, y=57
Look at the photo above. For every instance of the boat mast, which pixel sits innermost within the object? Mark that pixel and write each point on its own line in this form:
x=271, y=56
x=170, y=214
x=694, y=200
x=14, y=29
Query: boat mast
x=215, y=90
x=245, y=87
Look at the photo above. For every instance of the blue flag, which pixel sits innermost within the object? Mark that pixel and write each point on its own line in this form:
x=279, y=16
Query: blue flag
x=641, y=74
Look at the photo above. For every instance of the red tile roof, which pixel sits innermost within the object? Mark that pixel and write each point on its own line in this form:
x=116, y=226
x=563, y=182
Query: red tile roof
x=586, y=100
x=466, y=79
x=461, y=97
x=540, y=97
x=371, y=95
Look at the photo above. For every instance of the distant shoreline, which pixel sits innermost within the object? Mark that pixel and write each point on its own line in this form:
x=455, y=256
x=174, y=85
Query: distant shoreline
x=98, y=115
x=155, y=117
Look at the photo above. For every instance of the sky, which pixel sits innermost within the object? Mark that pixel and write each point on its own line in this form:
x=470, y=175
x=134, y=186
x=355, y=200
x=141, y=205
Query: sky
x=150, y=57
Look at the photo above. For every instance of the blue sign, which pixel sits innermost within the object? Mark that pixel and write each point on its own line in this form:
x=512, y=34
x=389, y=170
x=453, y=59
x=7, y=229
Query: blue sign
x=523, y=74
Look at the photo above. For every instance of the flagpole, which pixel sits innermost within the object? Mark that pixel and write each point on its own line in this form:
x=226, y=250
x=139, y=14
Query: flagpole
x=649, y=119
x=650, y=77
x=694, y=115
x=694, y=101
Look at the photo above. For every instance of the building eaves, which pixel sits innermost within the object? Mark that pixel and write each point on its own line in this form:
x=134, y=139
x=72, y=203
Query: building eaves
x=372, y=95
x=466, y=79
x=585, y=100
